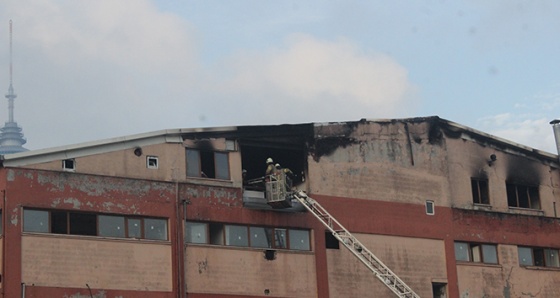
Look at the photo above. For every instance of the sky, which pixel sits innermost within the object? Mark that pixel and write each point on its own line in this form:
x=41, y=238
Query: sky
x=91, y=70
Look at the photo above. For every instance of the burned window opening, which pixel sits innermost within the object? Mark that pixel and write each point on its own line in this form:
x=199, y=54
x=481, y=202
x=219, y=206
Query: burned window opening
x=479, y=188
x=207, y=164
x=254, y=164
x=330, y=241
x=522, y=196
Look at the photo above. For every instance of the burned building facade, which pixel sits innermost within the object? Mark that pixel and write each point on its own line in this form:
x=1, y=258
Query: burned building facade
x=452, y=211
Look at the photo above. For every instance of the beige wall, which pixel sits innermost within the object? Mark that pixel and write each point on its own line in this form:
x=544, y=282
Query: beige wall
x=469, y=159
x=171, y=164
x=58, y=261
x=219, y=270
x=416, y=261
x=507, y=279
x=382, y=163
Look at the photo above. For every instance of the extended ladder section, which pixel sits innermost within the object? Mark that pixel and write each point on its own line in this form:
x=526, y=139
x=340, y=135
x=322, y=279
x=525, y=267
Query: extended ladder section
x=380, y=270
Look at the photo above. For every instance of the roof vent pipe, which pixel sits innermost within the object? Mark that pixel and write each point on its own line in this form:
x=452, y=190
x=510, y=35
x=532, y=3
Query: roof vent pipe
x=556, y=127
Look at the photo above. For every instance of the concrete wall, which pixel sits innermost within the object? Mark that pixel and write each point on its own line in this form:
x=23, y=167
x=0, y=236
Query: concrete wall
x=73, y=262
x=386, y=162
x=416, y=261
x=218, y=270
x=507, y=279
x=468, y=159
x=66, y=261
x=124, y=163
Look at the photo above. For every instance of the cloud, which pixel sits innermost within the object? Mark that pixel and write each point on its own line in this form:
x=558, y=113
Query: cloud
x=326, y=79
x=97, y=69
x=522, y=129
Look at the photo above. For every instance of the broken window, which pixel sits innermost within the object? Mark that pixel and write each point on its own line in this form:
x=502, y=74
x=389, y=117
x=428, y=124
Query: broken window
x=476, y=252
x=69, y=164
x=330, y=241
x=207, y=164
x=59, y=222
x=523, y=196
x=216, y=233
x=480, y=191
x=83, y=224
x=537, y=256
x=151, y=162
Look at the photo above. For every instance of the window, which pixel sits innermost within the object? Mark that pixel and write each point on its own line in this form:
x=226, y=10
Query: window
x=69, y=165
x=36, y=221
x=111, y=226
x=155, y=229
x=522, y=196
x=151, y=162
x=430, y=208
x=207, y=164
x=91, y=224
x=536, y=256
x=480, y=191
x=299, y=239
x=476, y=252
x=261, y=237
x=247, y=236
x=236, y=235
x=330, y=241
x=196, y=232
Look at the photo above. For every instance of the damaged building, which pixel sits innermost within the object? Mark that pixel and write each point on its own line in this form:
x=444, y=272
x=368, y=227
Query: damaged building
x=451, y=211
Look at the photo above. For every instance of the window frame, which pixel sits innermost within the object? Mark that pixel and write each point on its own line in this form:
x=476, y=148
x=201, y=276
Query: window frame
x=152, y=162
x=66, y=229
x=69, y=164
x=475, y=253
x=217, y=234
x=538, y=257
x=482, y=194
x=217, y=164
x=521, y=192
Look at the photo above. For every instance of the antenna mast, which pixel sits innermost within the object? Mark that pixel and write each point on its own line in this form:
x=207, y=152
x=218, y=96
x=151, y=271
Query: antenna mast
x=11, y=95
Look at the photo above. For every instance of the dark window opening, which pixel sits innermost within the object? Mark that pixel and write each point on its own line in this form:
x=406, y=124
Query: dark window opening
x=83, y=224
x=59, y=222
x=216, y=232
x=330, y=241
x=480, y=191
x=439, y=290
x=207, y=164
x=522, y=196
x=152, y=162
x=69, y=164
x=254, y=155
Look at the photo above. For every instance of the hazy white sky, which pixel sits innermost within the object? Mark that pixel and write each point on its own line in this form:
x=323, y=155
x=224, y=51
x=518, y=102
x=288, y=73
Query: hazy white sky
x=88, y=70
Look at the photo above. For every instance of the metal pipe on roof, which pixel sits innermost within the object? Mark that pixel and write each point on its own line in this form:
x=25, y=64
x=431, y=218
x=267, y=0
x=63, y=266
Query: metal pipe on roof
x=556, y=128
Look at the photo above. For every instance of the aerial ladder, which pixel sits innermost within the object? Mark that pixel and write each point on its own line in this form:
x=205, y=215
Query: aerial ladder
x=380, y=270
